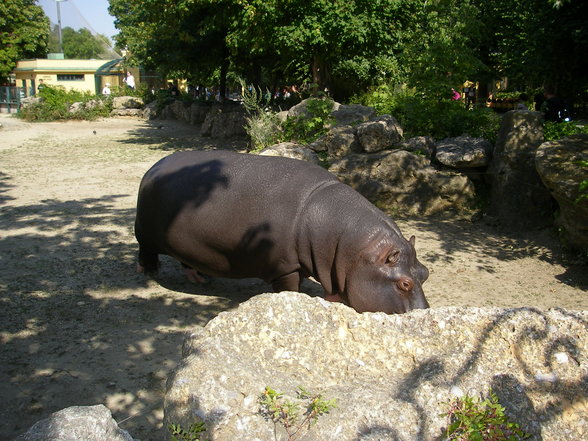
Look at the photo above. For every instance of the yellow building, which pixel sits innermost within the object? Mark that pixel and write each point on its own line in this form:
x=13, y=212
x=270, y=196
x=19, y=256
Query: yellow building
x=82, y=75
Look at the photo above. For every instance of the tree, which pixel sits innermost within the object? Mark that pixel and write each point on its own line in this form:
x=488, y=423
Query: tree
x=440, y=48
x=80, y=44
x=538, y=42
x=340, y=45
x=24, y=32
x=184, y=39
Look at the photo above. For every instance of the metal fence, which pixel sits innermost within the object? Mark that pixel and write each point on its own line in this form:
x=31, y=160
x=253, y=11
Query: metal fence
x=10, y=97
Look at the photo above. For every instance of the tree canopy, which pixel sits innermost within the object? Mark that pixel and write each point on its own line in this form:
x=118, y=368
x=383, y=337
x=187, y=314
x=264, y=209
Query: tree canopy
x=24, y=31
x=346, y=46
x=81, y=44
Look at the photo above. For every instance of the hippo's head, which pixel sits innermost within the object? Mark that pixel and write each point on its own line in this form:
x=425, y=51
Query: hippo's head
x=386, y=276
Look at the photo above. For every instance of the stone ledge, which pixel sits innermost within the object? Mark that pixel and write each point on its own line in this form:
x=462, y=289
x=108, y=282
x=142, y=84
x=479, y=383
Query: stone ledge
x=389, y=374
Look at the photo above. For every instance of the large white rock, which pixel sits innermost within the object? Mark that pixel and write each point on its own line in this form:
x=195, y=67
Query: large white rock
x=390, y=374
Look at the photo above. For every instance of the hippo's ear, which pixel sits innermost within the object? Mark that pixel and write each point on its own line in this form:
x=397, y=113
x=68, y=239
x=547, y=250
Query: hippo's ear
x=412, y=240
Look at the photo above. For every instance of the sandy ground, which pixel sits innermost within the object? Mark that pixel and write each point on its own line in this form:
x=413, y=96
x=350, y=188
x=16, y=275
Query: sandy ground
x=78, y=325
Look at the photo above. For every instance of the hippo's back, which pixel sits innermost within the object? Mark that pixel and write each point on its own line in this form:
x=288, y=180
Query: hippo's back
x=198, y=206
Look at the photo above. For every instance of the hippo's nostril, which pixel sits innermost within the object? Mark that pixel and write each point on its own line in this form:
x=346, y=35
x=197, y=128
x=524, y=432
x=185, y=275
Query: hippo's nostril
x=405, y=284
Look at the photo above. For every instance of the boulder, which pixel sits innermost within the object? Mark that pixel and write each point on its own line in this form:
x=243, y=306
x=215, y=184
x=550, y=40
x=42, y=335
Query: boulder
x=127, y=102
x=464, y=152
x=88, y=423
x=224, y=122
x=138, y=113
x=76, y=107
x=291, y=150
x=339, y=141
x=420, y=145
x=30, y=101
x=301, y=109
x=391, y=375
x=400, y=181
x=198, y=112
x=518, y=198
x=150, y=110
x=351, y=114
x=180, y=111
x=379, y=134
x=559, y=164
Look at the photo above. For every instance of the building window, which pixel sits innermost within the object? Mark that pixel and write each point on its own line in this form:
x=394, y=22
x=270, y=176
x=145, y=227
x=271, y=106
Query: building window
x=70, y=77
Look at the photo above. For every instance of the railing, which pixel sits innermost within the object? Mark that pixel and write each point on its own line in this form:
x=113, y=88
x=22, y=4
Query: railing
x=10, y=97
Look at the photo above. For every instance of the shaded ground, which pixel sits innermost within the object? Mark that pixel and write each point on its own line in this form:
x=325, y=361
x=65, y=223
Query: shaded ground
x=78, y=326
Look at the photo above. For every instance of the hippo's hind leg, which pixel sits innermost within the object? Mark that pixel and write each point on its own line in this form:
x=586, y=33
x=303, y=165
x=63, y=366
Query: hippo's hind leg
x=148, y=261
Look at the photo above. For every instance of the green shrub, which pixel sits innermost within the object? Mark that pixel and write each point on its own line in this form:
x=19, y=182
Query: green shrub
x=471, y=419
x=307, y=128
x=262, y=124
x=422, y=116
x=56, y=101
x=554, y=130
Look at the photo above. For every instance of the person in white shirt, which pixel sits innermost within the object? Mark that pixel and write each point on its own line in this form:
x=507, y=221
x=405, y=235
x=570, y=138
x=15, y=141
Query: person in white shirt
x=130, y=80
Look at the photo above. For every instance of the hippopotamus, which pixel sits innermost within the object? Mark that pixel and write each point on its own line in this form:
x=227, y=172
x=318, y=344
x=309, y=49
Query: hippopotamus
x=238, y=215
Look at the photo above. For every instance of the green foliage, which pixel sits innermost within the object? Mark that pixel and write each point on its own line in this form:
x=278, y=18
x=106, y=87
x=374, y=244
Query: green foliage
x=262, y=124
x=525, y=41
x=294, y=415
x=178, y=433
x=554, y=130
x=265, y=128
x=350, y=45
x=471, y=419
x=24, y=31
x=80, y=44
x=438, y=118
x=583, y=187
x=55, y=104
x=307, y=128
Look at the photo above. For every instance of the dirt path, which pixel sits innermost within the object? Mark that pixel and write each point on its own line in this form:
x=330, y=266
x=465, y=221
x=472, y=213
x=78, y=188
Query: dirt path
x=78, y=326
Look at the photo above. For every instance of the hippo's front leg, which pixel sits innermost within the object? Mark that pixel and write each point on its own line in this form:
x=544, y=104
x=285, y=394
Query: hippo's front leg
x=288, y=282
x=193, y=275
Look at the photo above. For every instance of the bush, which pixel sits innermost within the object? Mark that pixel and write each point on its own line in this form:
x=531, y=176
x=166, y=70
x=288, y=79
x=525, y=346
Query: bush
x=55, y=104
x=554, y=130
x=307, y=128
x=422, y=116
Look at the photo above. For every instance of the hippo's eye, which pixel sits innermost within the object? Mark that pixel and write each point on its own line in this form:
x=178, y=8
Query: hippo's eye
x=393, y=257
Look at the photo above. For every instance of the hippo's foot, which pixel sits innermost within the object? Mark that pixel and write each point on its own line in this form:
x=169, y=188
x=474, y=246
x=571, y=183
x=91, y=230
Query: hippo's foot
x=334, y=298
x=147, y=270
x=148, y=262
x=193, y=275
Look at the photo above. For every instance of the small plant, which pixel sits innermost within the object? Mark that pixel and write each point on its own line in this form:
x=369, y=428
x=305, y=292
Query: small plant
x=262, y=124
x=471, y=419
x=178, y=433
x=288, y=413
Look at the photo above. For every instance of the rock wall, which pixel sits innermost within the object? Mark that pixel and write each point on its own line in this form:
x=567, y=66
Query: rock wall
x=390, y=374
